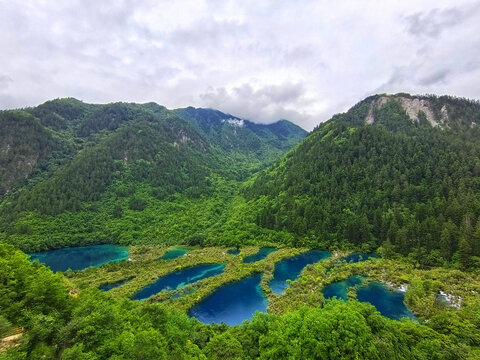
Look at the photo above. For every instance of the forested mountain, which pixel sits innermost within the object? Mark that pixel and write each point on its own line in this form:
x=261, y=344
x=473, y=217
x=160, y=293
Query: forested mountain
x=84, y=161
x=399, y=171
x=261, y=143
x=24, y=144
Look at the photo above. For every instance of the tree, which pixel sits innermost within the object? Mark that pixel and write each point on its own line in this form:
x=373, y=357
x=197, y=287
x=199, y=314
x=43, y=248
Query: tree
x=465, y=250
x=447, y=240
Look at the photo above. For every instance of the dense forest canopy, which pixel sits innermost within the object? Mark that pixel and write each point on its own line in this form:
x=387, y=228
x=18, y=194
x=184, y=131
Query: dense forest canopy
x=399, y=172
x=398, y=182
x=76, y=160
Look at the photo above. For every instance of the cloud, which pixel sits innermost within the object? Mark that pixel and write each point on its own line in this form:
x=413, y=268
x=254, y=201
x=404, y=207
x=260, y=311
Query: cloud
x=435, y=77
x=303, y=61
x=433, y=22
x=5, y=81
x=263, y=104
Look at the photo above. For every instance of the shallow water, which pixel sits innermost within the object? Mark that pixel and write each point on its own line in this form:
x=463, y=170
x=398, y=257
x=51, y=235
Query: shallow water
x=340, y=289
x=233, y=251
x=177, y=279
x=389, y=303
x=354, y=258
x=110, y=286
x=290, y=268
x=79, y=258
x=173, y=254
x=232, y=303
x=260, y=255
x=358, y=257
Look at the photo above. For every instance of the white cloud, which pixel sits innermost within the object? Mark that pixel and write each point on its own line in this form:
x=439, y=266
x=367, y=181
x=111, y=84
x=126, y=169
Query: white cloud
x=267, y=60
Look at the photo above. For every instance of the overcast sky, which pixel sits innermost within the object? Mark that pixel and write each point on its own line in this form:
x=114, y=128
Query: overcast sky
x=261, y=60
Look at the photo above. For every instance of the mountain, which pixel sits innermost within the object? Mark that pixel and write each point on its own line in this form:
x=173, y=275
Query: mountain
x=400, y=171
x=87, y=165
x=259, y=143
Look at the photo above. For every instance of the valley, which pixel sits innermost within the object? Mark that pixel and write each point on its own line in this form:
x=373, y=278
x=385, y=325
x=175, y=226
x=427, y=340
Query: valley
x=197, y=234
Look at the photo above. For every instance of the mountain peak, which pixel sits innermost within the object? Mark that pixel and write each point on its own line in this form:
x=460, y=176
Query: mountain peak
x=438, y=111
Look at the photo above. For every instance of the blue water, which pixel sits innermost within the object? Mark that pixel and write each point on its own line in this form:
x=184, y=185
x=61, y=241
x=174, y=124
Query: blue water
x=358, y=257
x=340, y=289
x=177, y=279
x=388, y=303
x=79, y=258
x=110, y=286
x=232, y=303
x=173, y=254
x=234, y=251
x=260, y=255
x=354, y=258
x=290, y=269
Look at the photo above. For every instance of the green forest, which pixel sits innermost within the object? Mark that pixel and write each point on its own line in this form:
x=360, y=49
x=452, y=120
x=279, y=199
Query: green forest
x=388, y=176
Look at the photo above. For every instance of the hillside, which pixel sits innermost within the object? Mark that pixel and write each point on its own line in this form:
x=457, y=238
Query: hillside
x=70, y=171
x=399, y=171
x=258, y=142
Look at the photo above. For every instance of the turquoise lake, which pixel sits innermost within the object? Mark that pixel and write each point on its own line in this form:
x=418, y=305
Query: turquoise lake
x=260, y=255
x=340, y=289
x=79, y=258
x=290, y=268
x=173, y=254
x=232, y=303
x=177, y=279
x=389, y=303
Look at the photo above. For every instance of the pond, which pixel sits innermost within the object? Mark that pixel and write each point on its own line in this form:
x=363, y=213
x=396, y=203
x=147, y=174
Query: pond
x=290, y=268
x=340, y=289
x=260, y=255
x=234, y=251
x=232, y=303
x=113, y=285
x=178, y=279
x=79, y=258
x=389, y=303
x=173, y=254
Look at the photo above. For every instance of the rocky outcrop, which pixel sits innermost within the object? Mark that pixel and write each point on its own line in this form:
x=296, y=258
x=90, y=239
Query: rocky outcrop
x=412, y=106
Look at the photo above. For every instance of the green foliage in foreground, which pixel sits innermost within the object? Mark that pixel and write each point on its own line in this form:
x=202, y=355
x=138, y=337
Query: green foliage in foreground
x=93, y=325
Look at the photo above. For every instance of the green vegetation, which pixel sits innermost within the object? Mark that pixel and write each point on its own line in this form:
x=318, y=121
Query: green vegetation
x=376, y=178
x=94, y=173
x=407, y=186
x=66, y=321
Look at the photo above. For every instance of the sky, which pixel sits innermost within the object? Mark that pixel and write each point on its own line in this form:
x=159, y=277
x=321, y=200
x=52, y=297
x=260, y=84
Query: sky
x=261, y=60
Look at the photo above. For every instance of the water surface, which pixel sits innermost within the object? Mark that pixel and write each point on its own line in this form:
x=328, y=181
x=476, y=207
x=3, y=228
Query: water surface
x=173, y=253
x=233, y=251
x=260, y=255
x=290, y=268
x=389, y=303
x=358, y=257
x=79, y=258
x=354, y=258
x=177, y=279
x=340, y=289
x=232, y=303
x=113, y=285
